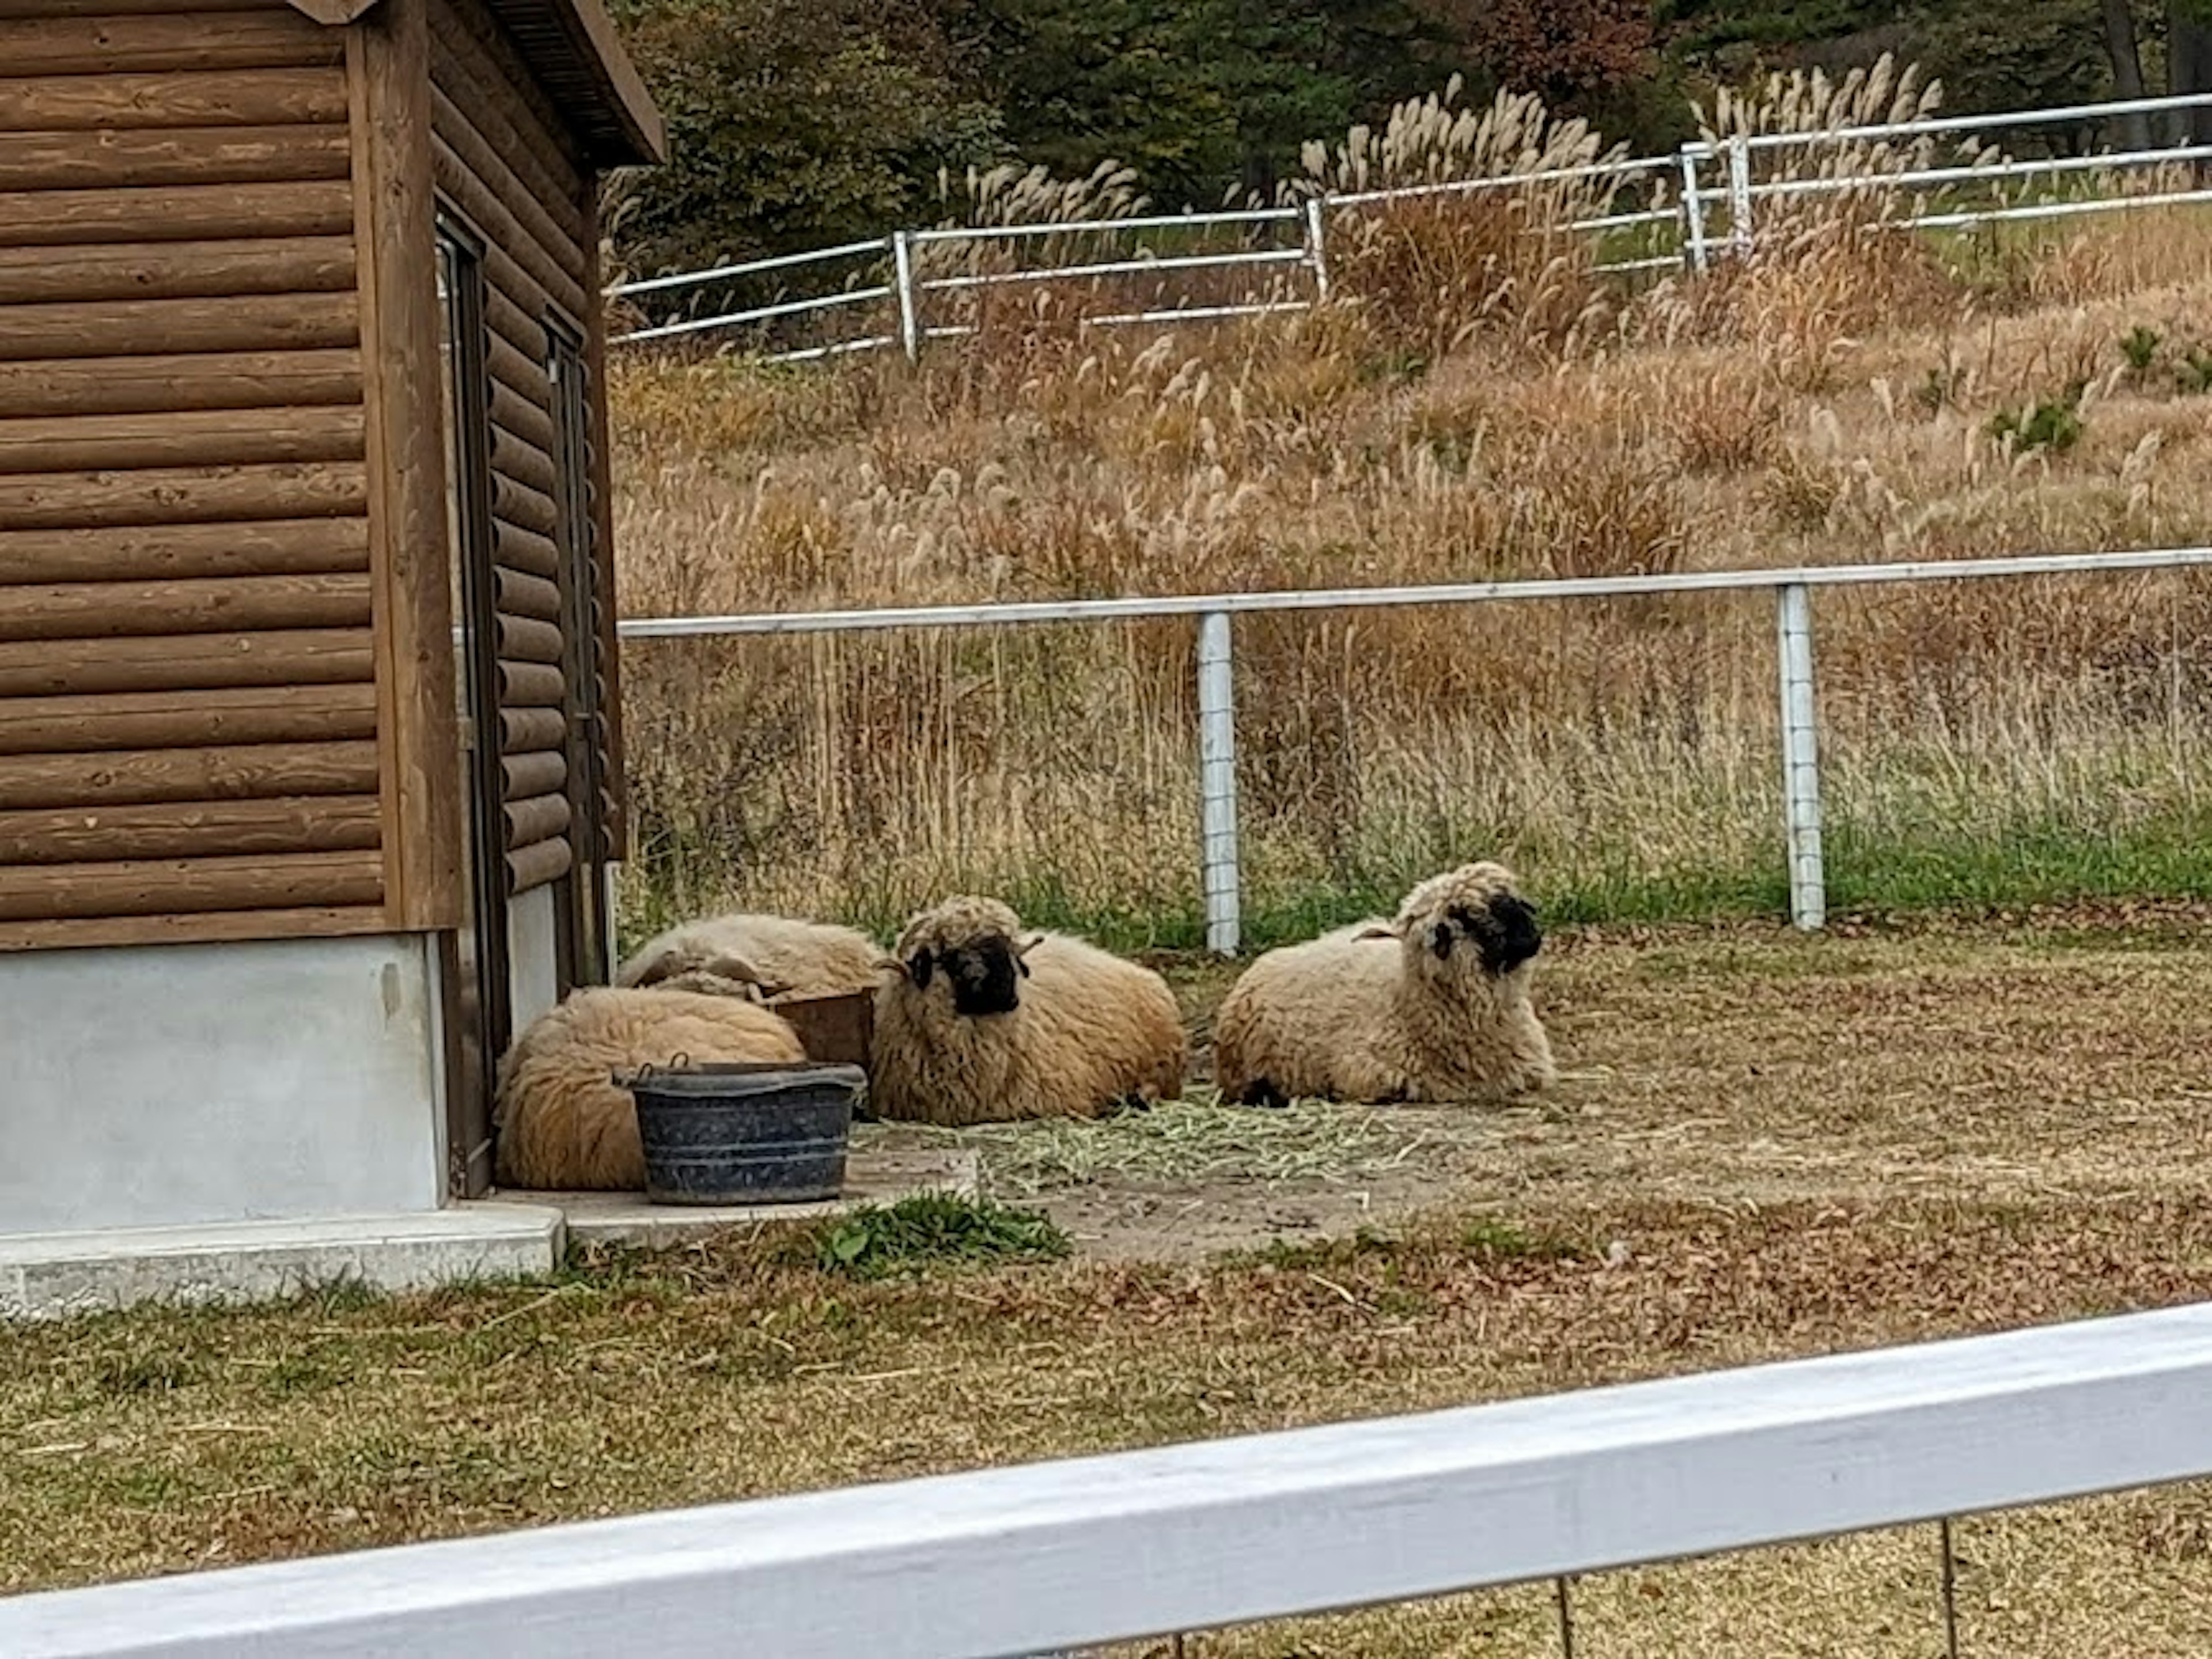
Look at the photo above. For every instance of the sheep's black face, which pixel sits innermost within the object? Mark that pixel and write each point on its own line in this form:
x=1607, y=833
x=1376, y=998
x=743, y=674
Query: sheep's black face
x=1504, y=933
x=984, y=975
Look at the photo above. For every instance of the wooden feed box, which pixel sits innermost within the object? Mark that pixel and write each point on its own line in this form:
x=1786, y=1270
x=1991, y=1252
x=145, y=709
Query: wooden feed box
x=836, y=1030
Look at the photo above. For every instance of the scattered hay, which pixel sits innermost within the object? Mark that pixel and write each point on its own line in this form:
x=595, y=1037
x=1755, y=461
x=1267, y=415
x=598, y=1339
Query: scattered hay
x=1198, y=1139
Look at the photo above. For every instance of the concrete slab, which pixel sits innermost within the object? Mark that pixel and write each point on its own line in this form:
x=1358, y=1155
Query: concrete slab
x=52, y=1275
x=872, y=1177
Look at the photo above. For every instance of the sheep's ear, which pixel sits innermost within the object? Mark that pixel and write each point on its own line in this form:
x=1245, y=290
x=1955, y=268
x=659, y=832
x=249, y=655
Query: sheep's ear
x=1022, y=950
x=1380, y=930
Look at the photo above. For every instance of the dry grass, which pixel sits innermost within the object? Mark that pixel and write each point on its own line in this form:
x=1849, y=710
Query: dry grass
x=1481, y=405
x=1797, y=1145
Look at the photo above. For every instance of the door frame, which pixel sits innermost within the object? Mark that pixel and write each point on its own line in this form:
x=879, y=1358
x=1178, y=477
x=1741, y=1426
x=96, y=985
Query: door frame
x=475, y=958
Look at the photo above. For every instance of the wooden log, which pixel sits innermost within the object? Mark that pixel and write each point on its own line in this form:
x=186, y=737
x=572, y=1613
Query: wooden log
x=517, y=504
x=74, y=501
x=543, y=818
x=136, y=386
x=388, y=81
x=275, y=547
x=178, y=271
x=206, y=928
x=94, y=610
x=541, y=773
x=538, y=865
x=129, y=777
x=532, y=685
x=12, y=9
x=148, y=45
x=312, y=823
x=523, y=416
x=515, y=594
x=132, y=328
x=174, y=887
x=218, y=155
x=479, y=199
x=261, y=714
x=525, y=550
x=517, y=328
x=517, y=458
x=531, y=731
x=527, y=378
x=187, y=662
x=522, y=639
x=120, y=102
x=94, y=443
x=175, y=213
x=553, y=230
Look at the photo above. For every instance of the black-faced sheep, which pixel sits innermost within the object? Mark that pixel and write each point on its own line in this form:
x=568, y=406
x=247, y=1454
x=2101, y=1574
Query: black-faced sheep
x=1431, y=1006
x=977, y=1023
x=782, y=956
x=565, y=1125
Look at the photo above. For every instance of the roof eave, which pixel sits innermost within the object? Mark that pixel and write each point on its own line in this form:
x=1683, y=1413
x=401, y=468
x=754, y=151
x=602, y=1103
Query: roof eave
x=632, y=133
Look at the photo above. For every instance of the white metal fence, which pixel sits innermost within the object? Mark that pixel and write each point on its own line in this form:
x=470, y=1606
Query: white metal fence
x=1715, y=190
x=1217, y=711
x=1191, y=1537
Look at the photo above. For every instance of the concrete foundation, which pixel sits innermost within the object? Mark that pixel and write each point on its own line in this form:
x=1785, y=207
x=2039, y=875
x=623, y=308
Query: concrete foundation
x=533, y=954
x=510, y=1234
x=47, y=1276
x=627, y=1218
x=199, y=1085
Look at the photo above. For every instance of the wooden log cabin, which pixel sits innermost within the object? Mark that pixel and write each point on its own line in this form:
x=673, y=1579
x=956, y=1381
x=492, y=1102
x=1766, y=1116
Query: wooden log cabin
x=310, y=775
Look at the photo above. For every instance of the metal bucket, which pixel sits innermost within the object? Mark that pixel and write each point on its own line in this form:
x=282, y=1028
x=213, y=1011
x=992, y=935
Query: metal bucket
x=756, y=1133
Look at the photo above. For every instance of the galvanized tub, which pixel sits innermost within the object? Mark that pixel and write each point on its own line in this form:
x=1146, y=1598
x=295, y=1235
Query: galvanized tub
x=751, y=1133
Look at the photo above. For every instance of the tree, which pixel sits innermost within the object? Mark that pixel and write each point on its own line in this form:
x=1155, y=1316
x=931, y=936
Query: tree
x=2189, y=65
x=793, y=122
x=1567, y=51
x=2121, y=46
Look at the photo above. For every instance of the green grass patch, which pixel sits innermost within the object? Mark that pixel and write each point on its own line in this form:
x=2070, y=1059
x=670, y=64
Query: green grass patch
x=936, y=1230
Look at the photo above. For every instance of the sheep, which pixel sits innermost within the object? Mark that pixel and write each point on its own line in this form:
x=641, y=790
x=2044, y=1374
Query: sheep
x=565, y=1125
x=959, y=1038
x=1431, y=1006
x=784, y=957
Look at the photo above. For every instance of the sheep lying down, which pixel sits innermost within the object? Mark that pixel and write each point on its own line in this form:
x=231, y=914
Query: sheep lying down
x=565, y=1125
x=1431, y=1005
x=978, y=1023
x=778, y=956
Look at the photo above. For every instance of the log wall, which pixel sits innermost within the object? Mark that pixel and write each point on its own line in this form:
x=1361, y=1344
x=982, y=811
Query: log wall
x=189, y=671
x=504, y=158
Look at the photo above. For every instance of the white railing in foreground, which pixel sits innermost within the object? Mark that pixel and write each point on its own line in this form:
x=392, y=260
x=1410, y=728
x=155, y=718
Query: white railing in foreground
x=1217, y=711
x=1054, y=1555
x=1706, y=214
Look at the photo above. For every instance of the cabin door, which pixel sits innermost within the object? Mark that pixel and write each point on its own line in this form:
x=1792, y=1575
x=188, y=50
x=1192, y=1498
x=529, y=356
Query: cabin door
x=478, y=1017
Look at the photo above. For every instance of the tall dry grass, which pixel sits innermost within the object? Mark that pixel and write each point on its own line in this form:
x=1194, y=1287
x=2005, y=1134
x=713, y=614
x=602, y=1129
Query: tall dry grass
x=1480, y=404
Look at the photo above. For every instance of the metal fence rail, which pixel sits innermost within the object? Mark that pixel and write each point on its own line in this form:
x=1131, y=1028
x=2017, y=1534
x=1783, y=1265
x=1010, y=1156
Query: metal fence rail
x=1139, y=1544
x=1717, y=186
x=1216, y=714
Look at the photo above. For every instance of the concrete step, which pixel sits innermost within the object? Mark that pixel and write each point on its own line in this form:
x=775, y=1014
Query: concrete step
x=52, y=1275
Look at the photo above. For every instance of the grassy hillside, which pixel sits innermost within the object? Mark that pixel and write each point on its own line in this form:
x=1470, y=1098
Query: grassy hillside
x=1480, y=405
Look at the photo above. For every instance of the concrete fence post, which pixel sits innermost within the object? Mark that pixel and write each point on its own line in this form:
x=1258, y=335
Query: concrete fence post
x=1693, y=209
x=1216, y=770
x=909, y=299
x=1739, y=168
x=1317, y=247
x=1800, y=761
